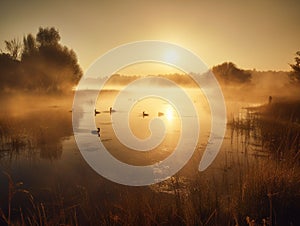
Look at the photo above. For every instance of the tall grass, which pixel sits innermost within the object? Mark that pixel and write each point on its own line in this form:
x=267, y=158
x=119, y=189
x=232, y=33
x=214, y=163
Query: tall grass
x=266, y=193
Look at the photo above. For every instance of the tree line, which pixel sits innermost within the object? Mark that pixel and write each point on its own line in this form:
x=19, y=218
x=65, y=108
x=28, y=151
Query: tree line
x=39, y=64
x=229, y=73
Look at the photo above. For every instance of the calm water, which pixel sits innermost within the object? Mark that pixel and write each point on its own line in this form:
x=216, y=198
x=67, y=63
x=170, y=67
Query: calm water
x=39, y=150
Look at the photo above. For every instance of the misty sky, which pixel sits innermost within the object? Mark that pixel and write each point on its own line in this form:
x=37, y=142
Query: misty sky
x=261, y=34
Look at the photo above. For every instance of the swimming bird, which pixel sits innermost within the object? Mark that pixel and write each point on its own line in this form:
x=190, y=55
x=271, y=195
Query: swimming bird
x=96, y=132
x=97, y=112
x=160, y=114
x=145, y=114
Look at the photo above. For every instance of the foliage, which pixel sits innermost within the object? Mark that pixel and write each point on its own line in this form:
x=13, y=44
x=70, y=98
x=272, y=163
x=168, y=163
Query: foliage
x=29, y=46
x=229, y=73
x=47, y=37
x=39, y=64
x=295, y=74
x=14, y=48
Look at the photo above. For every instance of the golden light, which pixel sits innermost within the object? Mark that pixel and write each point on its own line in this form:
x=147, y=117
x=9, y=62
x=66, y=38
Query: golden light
x=169, y=114
x=171, y=57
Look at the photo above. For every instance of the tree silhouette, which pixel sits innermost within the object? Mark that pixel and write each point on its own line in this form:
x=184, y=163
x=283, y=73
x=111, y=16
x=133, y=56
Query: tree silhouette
x=29, y=46
x=9, y=69
x=229, y=73
x=48, y=37
x=44, y=66
x=295, y=74
x=14, y=48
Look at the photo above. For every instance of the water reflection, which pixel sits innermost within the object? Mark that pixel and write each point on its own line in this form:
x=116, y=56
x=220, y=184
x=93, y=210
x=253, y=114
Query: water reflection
x=243, y=167
x=38, y=132
x=140, y=117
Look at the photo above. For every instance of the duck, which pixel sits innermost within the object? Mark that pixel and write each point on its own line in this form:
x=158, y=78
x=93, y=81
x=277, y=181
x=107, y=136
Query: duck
x=145, y=114
x=160, y=114
x=96, y=132
x=97, y=112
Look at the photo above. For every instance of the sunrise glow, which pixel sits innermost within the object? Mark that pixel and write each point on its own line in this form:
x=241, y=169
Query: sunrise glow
x=169, y=114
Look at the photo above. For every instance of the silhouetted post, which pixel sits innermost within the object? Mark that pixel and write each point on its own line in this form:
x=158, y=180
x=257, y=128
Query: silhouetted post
x=270, y=99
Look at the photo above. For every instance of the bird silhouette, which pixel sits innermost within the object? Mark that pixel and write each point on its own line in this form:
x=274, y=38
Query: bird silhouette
x=145, y=114
x=97, y=112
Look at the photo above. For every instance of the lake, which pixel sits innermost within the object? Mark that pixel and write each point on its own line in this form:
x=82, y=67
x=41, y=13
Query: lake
x=38, y=150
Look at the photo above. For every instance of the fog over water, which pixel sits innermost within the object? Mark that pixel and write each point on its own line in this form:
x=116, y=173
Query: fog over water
x=37, y=135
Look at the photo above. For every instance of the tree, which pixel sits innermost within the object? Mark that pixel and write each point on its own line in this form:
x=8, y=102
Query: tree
x=45, y=65
x=295, y=74
x=229, y=73
x=48, y=37
x=29, y=46
x=9, y=72
x=14, y=48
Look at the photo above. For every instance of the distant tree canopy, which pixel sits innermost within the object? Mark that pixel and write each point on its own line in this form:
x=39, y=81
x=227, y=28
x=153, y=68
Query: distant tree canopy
x=295, y=74
x=40, y=64
x=229, y=73
x=180, y=79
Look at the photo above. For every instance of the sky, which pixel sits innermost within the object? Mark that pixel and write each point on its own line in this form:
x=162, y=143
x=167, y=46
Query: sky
x=260, y=34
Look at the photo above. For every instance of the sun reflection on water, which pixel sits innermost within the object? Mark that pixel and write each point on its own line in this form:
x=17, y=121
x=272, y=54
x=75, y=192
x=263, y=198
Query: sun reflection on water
x=169, y=113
